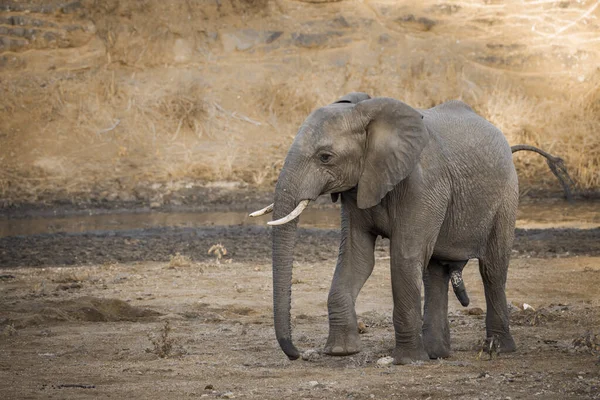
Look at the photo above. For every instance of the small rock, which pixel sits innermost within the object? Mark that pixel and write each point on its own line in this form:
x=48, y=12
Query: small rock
x=528, y=307
x=209, y=387
x=385, y=360
x=309, y=40
x=226, y=395
x=362, y=328
x=311, y=355
x=69, y=286
x=475, y=311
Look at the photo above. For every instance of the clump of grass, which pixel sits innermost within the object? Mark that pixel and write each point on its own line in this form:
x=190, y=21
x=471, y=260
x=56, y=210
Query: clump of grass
x=162, y=344
x=179, y=261
x=218, y=251
x=288, y=103
x=70, y=276
x=374, y=319
x=9, y=330
x=588, y=342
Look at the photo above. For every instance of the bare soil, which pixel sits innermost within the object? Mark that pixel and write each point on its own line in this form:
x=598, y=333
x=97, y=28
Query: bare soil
x=83, y=315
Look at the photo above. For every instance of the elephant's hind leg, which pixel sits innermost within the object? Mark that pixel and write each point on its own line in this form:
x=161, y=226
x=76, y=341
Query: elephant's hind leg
x=436, y=330
x=493, y=267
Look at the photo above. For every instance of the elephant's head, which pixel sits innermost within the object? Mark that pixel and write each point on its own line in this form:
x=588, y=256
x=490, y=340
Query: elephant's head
x=356, y=142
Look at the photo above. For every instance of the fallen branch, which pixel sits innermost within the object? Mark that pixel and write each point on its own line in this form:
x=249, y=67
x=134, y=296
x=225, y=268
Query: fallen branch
x=111, y=128
x=236, y=115
x=75, y=385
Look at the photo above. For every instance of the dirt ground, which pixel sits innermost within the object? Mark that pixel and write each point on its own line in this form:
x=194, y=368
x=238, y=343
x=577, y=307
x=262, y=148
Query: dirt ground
x=96, y=328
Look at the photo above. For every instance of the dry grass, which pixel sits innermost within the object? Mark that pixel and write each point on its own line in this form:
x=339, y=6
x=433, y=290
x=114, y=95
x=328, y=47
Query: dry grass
x=159, y=111
x=179, y=261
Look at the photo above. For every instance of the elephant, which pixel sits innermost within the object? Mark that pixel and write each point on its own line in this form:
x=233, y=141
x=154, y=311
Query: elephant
x=439, y=183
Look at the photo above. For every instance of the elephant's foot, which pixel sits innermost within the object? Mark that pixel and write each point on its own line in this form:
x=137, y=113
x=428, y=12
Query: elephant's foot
x=507, y=343
x=342, y=342
x=497, y=344
x=437, y=342
x=437, y=349
x=407, y=356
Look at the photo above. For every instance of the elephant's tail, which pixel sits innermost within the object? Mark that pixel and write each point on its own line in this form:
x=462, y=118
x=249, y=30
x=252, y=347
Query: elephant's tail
x=556, y=164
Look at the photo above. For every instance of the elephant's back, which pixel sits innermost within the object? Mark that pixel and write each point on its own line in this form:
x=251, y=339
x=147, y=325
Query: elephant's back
x=477, y=164
x=465, y=137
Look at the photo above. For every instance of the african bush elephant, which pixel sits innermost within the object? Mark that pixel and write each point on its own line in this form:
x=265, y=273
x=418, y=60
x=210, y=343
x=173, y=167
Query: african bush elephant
x=439, y=183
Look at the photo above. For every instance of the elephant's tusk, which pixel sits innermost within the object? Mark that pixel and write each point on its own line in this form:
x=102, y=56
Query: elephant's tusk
x=267, y=210
x=297, y=211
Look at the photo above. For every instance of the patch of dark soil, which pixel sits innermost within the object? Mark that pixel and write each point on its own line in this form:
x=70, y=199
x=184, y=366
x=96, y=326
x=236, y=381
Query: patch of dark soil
x=553, y=242
x=158, y=244
x=243, y=243
x=198, y=198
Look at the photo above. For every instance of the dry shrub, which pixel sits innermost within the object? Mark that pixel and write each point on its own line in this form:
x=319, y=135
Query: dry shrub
x=102, y=132
x=179, y=260
x=162, y=344
x=288, y=103
x=566, y=127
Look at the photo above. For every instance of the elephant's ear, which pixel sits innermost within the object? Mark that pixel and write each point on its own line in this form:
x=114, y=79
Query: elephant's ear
x=396, y=135
x=353, y=98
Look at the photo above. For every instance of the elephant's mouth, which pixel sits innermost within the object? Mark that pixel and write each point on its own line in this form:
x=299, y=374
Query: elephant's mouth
x=292, y=215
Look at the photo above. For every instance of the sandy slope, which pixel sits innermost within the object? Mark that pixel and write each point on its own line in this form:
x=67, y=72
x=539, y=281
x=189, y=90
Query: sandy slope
x=103, y=100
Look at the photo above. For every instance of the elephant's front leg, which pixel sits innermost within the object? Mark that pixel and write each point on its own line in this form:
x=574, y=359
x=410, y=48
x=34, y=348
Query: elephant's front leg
x=407, y=275
x=355, y=264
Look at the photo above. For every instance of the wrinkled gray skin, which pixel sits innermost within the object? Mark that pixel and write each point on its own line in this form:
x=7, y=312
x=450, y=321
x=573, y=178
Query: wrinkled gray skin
x=439, y=183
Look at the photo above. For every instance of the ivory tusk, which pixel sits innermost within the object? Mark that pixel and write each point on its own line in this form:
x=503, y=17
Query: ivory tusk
x=267, y=210
x=297, y=211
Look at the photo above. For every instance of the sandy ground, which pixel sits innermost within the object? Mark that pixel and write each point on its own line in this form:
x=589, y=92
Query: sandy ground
x=87, y=330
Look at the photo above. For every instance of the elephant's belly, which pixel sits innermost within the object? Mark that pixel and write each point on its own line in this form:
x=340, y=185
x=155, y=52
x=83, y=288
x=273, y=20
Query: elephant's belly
x=456, y=252
x=462, y=240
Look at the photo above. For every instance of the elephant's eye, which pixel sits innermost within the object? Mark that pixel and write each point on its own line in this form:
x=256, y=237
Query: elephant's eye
x=325, y=158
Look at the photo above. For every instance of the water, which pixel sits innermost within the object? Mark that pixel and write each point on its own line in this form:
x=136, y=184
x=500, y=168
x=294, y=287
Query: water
x=582, y=215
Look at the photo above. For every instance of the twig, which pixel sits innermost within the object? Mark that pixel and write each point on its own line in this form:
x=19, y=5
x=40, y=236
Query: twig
x=236, y=115
x=75, y=385
x=587, y=13
x=111, y=128
x=244, y=118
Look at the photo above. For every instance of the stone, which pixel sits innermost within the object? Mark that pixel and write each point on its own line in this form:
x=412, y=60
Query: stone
x=387, y=360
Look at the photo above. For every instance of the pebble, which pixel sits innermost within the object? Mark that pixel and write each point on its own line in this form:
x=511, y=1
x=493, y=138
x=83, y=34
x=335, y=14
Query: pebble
x=385, y=360
x=362, y=328
x=475, y=311
x=311, y=355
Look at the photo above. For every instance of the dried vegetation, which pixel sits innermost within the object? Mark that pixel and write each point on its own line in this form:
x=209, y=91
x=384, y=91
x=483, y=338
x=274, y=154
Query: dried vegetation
x=157, y=109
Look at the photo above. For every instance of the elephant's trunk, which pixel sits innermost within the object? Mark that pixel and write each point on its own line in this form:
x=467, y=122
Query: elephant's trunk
x=283, y=243
x=284, y=239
